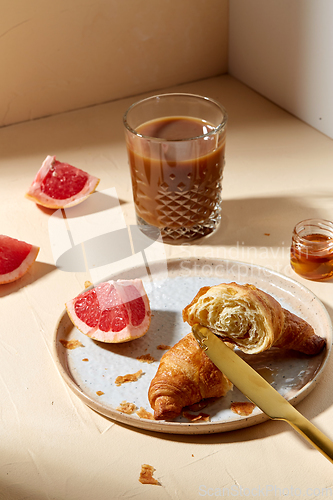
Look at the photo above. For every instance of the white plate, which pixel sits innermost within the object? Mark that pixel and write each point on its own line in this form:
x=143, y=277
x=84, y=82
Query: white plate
x=293, y=374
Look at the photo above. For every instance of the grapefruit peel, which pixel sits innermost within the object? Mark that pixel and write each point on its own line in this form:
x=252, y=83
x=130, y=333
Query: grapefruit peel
x=16, y=258
x=60, y=185
x=113, y=311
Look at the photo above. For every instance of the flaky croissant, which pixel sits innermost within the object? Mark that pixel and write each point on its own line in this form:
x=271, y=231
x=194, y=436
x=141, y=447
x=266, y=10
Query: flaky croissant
x=185, y=376
x=251, y=319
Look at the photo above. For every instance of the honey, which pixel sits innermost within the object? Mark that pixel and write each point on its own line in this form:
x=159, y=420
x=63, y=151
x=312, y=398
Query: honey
x=311, y=252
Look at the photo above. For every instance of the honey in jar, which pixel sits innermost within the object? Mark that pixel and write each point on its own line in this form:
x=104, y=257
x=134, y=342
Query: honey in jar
x=311, y=253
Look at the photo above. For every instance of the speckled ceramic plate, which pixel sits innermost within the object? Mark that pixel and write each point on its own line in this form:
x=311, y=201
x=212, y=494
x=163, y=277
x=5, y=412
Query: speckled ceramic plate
x=91, y=369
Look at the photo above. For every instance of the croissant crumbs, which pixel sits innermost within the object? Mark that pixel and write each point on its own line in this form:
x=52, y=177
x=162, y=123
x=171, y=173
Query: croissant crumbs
x=201, y=417
x=130, y=377
x=71, y=344
x=142, y=413
x=146, y=475
x=146, y=358
x=126, y=407
x=243, y=408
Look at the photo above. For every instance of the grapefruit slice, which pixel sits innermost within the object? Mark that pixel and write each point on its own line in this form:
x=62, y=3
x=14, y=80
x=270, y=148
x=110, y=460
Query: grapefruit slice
x=16, y=257
x=60, y=185
x=114, y=311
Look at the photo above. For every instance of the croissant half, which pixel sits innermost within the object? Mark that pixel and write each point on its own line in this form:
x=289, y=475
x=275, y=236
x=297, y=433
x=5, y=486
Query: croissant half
x=251, y=319
x=185, y=376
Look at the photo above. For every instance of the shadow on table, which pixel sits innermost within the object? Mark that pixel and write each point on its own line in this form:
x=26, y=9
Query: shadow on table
x=36, y=272
x=266, y=221
x=98, y=202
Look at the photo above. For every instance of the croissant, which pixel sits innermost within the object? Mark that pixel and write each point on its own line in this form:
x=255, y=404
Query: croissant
x=185, y=376
x=251, y=319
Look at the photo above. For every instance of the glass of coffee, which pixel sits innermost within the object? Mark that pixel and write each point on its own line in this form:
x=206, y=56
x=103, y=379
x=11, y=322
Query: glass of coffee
x=176, y=149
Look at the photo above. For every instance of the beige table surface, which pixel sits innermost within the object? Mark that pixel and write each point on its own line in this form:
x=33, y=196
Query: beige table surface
x=278, y=171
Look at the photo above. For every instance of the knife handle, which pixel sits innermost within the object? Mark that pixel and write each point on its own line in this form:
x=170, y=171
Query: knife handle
x=312, y=434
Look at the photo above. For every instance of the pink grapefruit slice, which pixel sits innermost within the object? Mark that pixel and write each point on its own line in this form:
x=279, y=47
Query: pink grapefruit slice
x=114, y=311
x=16, y=257
x=60, y=185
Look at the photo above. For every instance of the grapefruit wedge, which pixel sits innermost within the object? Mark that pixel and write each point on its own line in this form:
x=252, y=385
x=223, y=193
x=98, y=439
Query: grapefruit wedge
x=16, y=257
x=114, y=311
x=60, y=185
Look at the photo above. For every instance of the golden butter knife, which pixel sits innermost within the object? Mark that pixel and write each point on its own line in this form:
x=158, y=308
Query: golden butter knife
x=258, y=390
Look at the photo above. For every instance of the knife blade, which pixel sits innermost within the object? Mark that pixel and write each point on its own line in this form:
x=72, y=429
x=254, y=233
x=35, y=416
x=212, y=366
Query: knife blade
x=258, y=390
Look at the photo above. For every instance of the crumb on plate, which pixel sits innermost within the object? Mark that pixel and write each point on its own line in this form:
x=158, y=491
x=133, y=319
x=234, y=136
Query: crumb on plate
x=201, y=417
x=243, y=408
x=163, y=347
x=142, y=413
x=71, y=344
x=201, y=404
x=130, y=377
x=126, y=407
x=99, y=393
x=146, y=358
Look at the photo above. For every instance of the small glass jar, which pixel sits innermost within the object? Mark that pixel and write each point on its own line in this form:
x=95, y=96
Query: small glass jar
x=311, y=252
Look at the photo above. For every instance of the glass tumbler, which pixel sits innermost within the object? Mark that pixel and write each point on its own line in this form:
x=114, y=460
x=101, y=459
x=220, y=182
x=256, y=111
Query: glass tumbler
x=176, y=152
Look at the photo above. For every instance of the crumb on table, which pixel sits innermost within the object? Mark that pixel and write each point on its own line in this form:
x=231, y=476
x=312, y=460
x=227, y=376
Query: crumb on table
x=146, y=475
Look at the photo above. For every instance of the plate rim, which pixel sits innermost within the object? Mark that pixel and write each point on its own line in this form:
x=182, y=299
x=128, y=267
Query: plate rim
x=171, y=427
